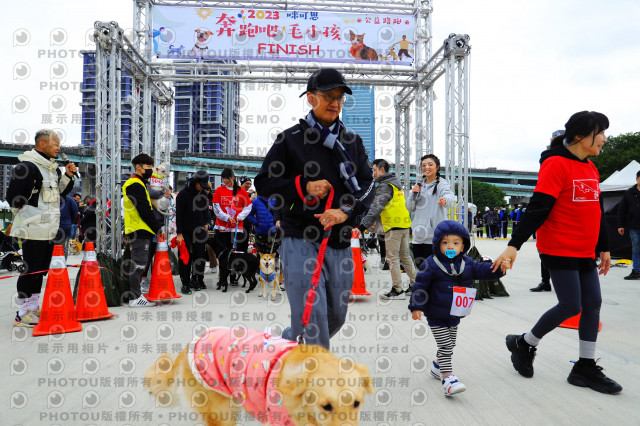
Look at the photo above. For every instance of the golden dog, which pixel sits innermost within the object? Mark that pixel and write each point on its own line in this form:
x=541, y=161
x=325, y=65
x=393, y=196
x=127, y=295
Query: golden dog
x=313, y=386
x=269, y=275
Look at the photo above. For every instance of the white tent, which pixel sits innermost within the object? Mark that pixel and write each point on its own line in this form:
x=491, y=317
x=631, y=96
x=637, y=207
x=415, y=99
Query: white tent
x=622, y=180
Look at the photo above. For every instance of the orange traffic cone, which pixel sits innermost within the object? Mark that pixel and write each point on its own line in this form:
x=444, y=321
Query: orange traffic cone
x=574, y=322
x=161, y=286
x=58, y=313
x=90, y=301
x=358, y=288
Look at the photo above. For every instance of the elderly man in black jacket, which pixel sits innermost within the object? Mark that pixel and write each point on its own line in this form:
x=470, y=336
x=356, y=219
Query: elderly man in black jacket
x=192, y=218
x=305, y=163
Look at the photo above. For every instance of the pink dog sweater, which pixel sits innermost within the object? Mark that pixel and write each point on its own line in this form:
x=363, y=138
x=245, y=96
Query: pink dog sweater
x=243, y=364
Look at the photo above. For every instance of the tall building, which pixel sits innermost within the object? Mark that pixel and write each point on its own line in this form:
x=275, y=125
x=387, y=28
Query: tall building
x=359, y=114
x=88, y=104
x=5, y=178
x=206, y=115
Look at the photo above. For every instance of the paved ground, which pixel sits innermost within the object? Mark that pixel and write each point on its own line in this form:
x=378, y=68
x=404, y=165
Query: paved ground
x=94, y=377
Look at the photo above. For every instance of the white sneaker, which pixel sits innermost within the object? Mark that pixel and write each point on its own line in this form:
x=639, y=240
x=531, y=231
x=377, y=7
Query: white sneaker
x=141, y=302
x=144, y=285
x=214, y=270
x=393, y=295
x=435, y=370
x=452, y=386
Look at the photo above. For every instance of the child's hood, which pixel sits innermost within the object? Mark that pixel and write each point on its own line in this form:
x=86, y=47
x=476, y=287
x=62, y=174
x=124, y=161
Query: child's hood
x=450, y=227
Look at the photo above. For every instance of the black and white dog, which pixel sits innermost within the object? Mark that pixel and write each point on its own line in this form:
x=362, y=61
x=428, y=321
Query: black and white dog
x=245, y=264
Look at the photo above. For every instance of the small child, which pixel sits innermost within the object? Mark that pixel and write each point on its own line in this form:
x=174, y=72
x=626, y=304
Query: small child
x=443, y=292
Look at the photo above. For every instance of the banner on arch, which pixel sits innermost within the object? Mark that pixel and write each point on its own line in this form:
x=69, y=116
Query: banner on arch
x=251, y=34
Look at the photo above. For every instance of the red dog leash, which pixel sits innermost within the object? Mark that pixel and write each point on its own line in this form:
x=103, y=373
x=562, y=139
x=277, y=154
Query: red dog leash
x=311, y=295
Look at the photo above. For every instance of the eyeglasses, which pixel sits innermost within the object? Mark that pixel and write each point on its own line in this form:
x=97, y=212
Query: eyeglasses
x=330, y=98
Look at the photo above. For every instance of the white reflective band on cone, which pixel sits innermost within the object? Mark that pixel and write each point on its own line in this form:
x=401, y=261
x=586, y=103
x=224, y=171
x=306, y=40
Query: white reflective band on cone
x=58, y=262
x=162, y=246
x=355, y=243
x=90, y=256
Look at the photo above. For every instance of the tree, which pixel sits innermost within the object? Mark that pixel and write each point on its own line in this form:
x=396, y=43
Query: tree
x=617, y=153
x=485, y=195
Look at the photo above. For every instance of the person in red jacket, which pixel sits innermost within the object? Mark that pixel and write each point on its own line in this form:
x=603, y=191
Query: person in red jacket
x=568, y=188
x=231, y=205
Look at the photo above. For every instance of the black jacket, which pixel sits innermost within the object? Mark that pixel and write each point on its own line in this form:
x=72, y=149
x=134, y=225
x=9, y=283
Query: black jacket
x=629, y=209
x=192, y=212
x=296, y=158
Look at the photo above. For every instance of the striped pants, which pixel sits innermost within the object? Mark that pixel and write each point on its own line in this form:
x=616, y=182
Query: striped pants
x=446, y=340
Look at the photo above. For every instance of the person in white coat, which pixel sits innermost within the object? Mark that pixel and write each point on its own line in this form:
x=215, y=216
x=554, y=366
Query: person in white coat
x=34, y=192
x=428, y=202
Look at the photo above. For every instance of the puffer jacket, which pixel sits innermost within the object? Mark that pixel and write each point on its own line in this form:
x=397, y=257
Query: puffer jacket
x=261, y=217
x=427, y=213
x=433, y=282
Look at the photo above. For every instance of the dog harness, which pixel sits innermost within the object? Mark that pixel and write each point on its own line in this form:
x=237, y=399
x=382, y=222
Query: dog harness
x=267, y=278
x=243, y=364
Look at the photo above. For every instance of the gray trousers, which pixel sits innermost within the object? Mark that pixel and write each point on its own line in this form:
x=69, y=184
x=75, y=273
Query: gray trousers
x=330, y=307
x=139, y=260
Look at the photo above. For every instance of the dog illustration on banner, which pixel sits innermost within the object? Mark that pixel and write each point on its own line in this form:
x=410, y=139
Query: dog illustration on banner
x=274, y=379
x=359, y=50
x=203, y=36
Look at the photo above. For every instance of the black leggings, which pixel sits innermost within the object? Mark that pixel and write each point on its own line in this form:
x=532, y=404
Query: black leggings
x=577, y=291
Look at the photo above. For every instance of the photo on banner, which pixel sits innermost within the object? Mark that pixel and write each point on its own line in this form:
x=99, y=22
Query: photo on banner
x=250, y=34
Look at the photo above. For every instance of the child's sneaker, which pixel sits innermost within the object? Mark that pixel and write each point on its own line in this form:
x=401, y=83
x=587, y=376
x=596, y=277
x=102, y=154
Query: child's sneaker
x=141, y=302
x=435, y=370
x=452, y=386
x=27, y=320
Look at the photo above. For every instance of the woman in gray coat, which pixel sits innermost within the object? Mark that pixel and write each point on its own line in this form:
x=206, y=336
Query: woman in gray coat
x=428, y=202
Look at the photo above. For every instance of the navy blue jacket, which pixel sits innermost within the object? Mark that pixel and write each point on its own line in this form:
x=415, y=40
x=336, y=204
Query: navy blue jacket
x=260, y=216
x=68, y=214
x=434, y=282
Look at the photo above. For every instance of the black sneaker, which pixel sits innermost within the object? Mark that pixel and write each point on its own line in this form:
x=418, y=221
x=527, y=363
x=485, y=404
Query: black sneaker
x=522, y=354
x=185, y=289
x=634, y=275
x=193, y=283
x=393, y=295
x=585, y=373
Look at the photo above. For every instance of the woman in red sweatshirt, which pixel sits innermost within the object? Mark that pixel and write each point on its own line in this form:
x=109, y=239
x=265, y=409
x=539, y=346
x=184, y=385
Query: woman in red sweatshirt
x=568, y=188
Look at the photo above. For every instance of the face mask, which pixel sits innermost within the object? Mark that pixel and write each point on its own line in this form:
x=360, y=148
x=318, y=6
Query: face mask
x=147, y=173
x=450, y=253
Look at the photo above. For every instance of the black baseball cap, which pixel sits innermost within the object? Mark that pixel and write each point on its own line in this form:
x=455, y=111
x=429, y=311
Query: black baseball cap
x=326, y=79
x=201, y=177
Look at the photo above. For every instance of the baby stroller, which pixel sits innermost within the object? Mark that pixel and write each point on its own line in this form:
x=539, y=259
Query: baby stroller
x=10, y=258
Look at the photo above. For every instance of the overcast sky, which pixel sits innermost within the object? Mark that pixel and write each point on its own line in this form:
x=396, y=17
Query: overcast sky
x=533, y=64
